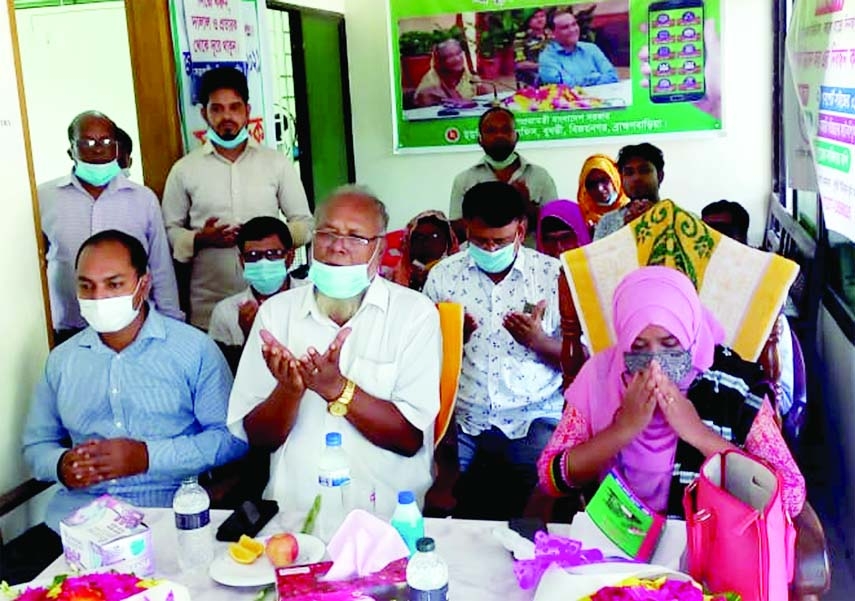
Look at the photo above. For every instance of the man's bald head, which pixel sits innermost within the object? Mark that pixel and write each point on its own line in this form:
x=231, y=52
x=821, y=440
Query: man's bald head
x=358, y=197
x=87, y=116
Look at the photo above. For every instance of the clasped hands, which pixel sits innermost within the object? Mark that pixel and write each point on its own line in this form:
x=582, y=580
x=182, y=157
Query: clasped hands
x=314, y=371
x=649, y=389
x=95, y=461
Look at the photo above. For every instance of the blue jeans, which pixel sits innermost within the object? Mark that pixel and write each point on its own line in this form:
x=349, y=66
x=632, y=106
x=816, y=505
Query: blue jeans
x=498, y=474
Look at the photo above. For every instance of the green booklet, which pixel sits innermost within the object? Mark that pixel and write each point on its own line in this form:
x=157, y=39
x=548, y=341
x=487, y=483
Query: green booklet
x=625, y=519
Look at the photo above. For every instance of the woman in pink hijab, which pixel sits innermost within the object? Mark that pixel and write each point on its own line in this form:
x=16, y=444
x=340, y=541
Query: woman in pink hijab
x=642, y=406
x=561, y=227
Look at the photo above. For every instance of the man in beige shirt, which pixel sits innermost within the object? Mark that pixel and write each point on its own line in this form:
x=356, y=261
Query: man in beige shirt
x=214, y=189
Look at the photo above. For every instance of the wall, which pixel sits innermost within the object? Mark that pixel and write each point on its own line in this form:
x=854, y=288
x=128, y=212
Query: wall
x=336, y=6
x=23, y=345
x=75, y=58
x=736, y=165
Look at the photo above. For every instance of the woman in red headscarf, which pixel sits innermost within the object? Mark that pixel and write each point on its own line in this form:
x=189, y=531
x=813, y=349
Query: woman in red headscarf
x=644, y=405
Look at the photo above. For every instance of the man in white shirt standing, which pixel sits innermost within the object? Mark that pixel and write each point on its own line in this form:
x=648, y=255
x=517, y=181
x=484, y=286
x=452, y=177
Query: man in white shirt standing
x=354, y=354
x=509, y=398
x=213, y=190
x=498, y=136
x=266, y=253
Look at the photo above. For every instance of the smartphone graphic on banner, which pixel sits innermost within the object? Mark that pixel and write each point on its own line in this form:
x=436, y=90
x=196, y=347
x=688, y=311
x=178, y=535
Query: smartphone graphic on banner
x=675, y=30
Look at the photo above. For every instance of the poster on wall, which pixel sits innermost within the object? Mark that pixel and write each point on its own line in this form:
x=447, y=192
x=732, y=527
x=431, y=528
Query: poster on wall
x=821, y=53
x=220, y=33
x=568, y=70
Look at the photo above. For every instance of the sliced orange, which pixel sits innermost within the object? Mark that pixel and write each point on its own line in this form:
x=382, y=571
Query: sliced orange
x=241, y=554
x=251, y=544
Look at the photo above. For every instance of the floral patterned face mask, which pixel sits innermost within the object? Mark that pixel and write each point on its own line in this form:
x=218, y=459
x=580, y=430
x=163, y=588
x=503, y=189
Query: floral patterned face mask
x=676, y=364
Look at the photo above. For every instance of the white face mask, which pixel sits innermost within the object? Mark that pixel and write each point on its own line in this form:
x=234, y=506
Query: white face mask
x=107, y=315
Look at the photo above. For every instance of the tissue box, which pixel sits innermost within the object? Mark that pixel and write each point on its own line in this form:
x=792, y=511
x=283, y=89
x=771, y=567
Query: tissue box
x=107, y=533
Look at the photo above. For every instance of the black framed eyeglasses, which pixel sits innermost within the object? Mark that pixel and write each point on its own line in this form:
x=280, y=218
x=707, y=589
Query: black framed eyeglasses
x=271, y=254
x=92, y=144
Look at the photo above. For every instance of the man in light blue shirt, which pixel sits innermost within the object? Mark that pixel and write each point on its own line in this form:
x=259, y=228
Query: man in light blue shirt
x=133, y=403
x=567, y=60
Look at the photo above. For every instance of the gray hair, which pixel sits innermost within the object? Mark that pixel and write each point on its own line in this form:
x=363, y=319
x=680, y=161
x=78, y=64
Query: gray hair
x=355, y=190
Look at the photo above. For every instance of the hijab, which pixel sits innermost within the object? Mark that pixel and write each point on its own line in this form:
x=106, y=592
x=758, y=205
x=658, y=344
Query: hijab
x=592, y=211
x=659, y=296
x=403, y=270
x=567, y=212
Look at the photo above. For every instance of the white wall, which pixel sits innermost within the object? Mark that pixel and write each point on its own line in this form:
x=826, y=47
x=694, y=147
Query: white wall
x=75, y=58
x=23, y=345
x=736, y=166
x=336, y=6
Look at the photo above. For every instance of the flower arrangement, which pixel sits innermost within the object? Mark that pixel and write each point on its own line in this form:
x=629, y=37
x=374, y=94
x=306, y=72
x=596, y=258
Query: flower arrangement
x=659, y=589
x=553, y=97
x=106, y=586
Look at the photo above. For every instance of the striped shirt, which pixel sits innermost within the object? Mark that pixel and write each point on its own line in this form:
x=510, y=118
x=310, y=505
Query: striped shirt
x=70, y=215
x=169, y=389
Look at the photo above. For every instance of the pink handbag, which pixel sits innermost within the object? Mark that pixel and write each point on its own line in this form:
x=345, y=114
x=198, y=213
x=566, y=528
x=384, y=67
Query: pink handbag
x=740, y=538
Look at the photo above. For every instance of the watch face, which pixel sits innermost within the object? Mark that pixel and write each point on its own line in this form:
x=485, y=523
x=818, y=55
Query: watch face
x=337, y=409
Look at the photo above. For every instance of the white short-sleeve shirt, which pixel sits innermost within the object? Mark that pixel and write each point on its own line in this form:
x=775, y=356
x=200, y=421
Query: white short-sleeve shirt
x=393, y=352
x=502, y=383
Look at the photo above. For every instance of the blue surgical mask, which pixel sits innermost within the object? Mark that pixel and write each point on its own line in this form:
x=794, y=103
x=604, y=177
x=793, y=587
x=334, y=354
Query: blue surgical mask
x=97, y=174
x=610, y=200
x=239, y=139
x=266, y=276
x=495, y=261
x=339, y=281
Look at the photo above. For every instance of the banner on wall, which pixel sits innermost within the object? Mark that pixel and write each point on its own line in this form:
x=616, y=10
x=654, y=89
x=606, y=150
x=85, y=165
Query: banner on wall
x=220, y=33
x=568, y=70
x=821, y=53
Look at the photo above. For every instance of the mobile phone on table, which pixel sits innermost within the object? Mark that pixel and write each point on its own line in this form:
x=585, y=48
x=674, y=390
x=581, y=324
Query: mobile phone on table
x=527, y=527
x=247, y=519
x=675, y=30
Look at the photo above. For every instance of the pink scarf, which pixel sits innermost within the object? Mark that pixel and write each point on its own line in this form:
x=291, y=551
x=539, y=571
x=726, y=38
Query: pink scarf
x=658, y=296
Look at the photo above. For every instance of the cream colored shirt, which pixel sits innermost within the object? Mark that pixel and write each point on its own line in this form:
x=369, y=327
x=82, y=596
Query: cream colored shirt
x=203, y=184
x=393, y=352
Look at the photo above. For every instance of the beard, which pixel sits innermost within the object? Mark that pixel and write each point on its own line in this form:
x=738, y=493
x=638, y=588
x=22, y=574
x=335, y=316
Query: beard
x=340, y=310
x=230, y=133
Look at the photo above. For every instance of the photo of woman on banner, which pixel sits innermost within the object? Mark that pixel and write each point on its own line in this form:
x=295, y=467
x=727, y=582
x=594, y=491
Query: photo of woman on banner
x=528, y=60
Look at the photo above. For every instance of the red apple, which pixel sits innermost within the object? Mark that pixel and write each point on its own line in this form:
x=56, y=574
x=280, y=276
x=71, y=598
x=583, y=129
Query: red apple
x=282, y=550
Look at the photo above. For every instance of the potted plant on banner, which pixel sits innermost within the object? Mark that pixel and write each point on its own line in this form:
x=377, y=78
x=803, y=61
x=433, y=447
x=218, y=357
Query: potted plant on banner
x=415, y=48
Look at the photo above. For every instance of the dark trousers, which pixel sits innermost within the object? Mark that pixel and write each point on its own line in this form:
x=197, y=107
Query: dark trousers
x=498, y=474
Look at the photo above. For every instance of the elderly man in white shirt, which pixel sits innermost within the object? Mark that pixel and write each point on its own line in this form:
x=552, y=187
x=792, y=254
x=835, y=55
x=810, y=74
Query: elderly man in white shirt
x=354, y=354
x=510, y=396
x=213, y=190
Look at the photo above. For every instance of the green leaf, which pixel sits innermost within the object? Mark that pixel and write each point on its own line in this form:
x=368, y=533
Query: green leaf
x=309, y=524
x=261, y=595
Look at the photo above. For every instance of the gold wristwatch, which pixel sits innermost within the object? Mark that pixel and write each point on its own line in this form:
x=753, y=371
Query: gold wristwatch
x=338, y=407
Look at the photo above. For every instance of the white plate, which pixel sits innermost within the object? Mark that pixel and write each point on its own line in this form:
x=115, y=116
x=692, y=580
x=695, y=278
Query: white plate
x=226, y=570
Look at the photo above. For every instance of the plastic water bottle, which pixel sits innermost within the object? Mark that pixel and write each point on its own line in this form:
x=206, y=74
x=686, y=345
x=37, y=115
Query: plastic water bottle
x=408, y=520
x=191, y=505
x=427, y=574
x=335, y=484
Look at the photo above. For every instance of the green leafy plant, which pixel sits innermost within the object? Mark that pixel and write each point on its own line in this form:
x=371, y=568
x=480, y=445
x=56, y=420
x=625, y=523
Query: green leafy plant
x=416, y=43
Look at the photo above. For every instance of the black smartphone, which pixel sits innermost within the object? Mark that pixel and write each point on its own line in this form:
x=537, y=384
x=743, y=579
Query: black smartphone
x=527, y=527
x=677, y=54
x=247, y=519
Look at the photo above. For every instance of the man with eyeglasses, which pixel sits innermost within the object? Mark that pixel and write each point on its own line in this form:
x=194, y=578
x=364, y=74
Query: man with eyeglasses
x=94, y=197
x=266, y=254
x=354, y=354
x=509, y=398
x=230, y=179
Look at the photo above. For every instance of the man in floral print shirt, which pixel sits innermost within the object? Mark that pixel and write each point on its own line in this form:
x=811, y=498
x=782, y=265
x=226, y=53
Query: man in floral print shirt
x=510, y=396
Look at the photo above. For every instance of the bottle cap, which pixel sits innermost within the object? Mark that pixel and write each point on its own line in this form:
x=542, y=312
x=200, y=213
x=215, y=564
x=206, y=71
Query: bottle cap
x=425, y=545
x=405, y=497
x=333, y=439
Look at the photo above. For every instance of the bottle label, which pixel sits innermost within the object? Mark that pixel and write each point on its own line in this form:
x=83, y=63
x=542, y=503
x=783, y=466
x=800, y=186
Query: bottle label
x=192, y=521
x=438, y=594
x=334, y=477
